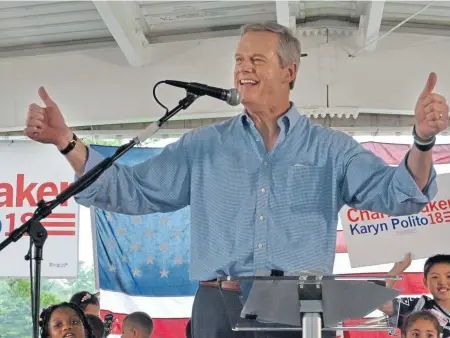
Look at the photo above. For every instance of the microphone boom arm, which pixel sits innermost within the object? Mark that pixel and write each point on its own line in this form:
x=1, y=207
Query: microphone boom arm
x=38, y=234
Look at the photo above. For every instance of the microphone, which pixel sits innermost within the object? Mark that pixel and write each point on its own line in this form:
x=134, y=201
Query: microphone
x=230, y=96
x=108, y=321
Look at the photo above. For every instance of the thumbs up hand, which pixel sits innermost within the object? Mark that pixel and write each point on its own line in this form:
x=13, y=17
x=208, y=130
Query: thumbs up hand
x=46, y=124
x=431, y=111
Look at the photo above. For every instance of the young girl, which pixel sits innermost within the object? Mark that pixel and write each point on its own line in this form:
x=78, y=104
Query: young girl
x=64, y=320
x=422, y=324
x=88, y=302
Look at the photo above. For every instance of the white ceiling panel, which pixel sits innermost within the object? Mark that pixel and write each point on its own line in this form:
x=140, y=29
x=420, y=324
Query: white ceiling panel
x=29, y=24
x=329, y=8
x=69, y=37
x=26, y=25
x=49, y=19
x=19, y=9
x=166, y=17
x=398, y=10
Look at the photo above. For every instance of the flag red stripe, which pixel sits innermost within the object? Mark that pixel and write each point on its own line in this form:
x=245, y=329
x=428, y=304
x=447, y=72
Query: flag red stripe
x=364, y=334
x=341, y=247
x=163, y=328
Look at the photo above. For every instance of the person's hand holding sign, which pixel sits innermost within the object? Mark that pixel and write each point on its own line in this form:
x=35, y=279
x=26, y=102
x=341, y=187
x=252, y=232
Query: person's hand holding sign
x=398, y=269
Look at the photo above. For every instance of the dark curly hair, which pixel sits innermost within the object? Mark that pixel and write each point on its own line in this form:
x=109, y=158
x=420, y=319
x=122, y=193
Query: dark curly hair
x=84, y=298
x=46, y=314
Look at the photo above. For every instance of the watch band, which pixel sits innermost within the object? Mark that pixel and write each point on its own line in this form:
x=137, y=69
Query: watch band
x=71, y=145
x=421, y=144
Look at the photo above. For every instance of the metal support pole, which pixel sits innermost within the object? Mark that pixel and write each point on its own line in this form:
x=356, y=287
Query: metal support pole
x=312, y=325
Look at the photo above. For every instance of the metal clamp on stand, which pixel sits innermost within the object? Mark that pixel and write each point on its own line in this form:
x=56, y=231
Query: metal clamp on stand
x=310, y=297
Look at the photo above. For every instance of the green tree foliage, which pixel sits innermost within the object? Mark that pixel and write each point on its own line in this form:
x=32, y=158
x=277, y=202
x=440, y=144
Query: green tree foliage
x=113, y=143
x=85, y=282
x=15, y=299
x=117, y=143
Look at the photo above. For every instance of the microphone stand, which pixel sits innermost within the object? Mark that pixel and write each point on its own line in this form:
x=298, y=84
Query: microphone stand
x=38, y=234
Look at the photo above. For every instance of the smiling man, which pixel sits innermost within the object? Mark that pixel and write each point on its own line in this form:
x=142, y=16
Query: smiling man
x=265, y=187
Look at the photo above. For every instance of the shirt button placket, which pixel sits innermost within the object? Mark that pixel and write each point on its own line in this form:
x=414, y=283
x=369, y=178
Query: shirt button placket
x=262, y=200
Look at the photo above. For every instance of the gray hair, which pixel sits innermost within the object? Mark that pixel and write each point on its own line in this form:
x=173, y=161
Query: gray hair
x=289, y=49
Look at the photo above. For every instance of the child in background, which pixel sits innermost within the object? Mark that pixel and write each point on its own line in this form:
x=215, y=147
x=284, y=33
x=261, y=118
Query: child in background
x=137, y=325
x=98, y=328
x=437, y=280
x=422, y=324
x=88, y=302
x=64, y=320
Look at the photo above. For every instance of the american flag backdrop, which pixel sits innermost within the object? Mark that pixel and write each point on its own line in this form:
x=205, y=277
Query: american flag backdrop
x=142, y=262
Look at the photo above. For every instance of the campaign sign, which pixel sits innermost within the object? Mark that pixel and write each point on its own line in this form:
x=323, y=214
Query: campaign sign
x=31, y=172
x=374, y=238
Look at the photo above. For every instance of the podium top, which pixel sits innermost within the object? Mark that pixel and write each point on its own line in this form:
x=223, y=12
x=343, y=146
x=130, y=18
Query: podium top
x=279, y=302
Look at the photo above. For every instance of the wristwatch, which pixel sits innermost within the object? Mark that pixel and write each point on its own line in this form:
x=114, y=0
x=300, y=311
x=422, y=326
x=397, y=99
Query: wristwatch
x=421, y=144
x=71, y=145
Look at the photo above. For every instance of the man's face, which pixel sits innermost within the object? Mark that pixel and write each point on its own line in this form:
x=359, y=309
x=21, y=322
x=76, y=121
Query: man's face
x=258, y=75
x=438, y=281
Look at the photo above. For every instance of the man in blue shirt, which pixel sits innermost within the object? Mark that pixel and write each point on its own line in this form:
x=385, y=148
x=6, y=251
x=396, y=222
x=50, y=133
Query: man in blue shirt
x=265, y=187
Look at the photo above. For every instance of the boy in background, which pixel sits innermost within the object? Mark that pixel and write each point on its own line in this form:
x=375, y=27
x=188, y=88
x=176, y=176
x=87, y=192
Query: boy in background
x=137, y=325
x=437, y=280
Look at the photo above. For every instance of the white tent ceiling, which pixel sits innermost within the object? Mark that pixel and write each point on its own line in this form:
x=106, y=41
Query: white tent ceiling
x=32, y=24
x=100, y=59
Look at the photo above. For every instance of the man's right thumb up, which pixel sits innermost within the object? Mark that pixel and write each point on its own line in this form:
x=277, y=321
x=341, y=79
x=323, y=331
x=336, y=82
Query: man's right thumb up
x=45, y=97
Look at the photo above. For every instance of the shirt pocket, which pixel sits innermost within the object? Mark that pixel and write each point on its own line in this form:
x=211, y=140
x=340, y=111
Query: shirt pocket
x=306, y=187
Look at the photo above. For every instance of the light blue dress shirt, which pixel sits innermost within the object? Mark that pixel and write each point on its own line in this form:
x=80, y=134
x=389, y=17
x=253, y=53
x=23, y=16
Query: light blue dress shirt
x=256, y=210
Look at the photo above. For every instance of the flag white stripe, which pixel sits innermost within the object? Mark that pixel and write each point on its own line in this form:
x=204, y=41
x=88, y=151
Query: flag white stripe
x=156, y=307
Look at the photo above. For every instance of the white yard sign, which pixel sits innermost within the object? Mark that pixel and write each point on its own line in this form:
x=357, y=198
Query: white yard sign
x=31, y=172
x=373, y=238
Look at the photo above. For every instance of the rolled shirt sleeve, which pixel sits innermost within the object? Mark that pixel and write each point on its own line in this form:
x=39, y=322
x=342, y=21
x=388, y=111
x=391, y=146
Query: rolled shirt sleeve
x=370, y=184
x=159, y=184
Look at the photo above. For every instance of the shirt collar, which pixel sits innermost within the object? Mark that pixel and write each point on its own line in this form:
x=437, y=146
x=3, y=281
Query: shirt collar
x=289, y=118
